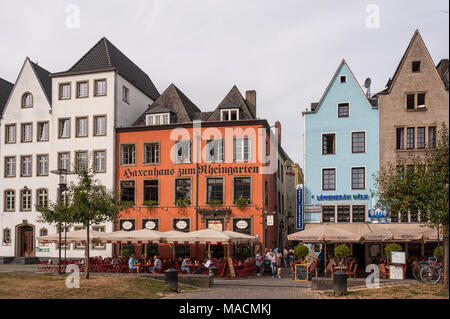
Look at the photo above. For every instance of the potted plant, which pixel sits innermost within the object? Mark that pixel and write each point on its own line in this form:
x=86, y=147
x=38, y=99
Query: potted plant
x=183, y=202
x=126, y=204
x=215, y=202
x=392, y=247
x=301, y=251
x=241, y=202
x=150, y=203
x=342, y=251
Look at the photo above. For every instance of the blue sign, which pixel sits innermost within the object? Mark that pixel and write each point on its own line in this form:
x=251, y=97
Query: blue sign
x=378, y=213
x=343, y=197
x=300, y=215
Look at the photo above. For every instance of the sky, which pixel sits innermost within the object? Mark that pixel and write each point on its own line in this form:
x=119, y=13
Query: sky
x=286, y=50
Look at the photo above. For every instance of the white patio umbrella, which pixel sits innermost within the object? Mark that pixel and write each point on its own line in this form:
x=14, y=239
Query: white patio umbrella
x=240, y=237
x=72, y=236
x=135, y=236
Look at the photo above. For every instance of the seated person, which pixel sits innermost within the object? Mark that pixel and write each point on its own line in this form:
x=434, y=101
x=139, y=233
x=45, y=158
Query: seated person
x=141, y=260
x=132, y=263
x=157, y=265
x=186, y=265
x=204, y=266
x=115, y=260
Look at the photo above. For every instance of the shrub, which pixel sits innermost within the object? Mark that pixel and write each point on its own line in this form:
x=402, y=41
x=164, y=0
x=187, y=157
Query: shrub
x=150, y=203
x=183, y=202
x=392, y=247
x=126, y=253
x=215, y=202
x=439, y=249
x=301, y=251
x=342, y=251
x=241, y=202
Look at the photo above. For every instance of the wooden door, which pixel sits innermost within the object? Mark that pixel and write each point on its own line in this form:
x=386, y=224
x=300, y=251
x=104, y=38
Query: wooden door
x=27, y=243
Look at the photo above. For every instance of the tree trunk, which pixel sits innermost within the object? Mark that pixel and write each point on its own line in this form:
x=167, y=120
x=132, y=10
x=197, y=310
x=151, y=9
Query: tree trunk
x=445, y=257
x=86, y=254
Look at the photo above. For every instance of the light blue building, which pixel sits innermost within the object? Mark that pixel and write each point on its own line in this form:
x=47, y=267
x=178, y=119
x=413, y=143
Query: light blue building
x=340, y=153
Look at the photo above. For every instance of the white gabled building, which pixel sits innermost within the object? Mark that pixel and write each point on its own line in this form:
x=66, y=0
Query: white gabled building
x=25, y=149
x=102, y=91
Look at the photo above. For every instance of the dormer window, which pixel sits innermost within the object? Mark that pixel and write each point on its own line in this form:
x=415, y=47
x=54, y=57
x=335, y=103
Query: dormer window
x=27, y=100
x=157, y=119
x=229, y=115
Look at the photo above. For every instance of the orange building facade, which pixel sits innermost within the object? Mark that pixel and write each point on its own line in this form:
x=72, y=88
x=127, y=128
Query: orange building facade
x=188, y=177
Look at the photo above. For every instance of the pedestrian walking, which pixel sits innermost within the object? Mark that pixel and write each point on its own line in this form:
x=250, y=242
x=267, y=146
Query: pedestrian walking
x=285, y=257
x=273, y=260
x=258, y=262
x=279, y=258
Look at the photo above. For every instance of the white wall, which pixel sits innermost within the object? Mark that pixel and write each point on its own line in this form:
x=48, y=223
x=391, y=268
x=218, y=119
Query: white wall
x=14, y=113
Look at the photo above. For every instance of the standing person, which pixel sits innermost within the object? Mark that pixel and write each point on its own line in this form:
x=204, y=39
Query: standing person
x=258, y=262
x=279, y=258
x=273, y=260
x=285, y=257
x=321, y=264
x=291, y=256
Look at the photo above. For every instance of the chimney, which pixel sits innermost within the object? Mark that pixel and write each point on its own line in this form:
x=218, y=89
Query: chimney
x=278, y=131
x=250, y=97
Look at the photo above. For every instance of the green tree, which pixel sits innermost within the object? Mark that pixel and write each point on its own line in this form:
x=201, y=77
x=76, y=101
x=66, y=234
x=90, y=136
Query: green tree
x=424, y=189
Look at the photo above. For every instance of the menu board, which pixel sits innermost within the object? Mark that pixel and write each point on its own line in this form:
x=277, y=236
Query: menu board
x=228, y=265
x=395, y=272
x=398, y=257
x=301, y=272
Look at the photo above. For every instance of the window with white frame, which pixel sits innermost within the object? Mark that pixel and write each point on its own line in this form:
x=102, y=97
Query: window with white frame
x=100, y=161
x=79, y=245
x=100, y=87
x=10, y=133
x=27, y=132
x=151, y=153
x=125, y=94
x=358, y=213
x=42, y=197
x=358, y=177
x=64, y=91
x=81, y=160
x=343, y=110
x=183, y=151
x=42, y=132
x=100, y=229
x=99, y=125
x=27, y=100
x=127, y=154
x=64, y=161
x=42, y=165
x=328, y=179
x=358, y=142
x=157, y=119
x=10, y=166
x=7, y=236
x=229, y=114
x=26, y=165
x=82, y=89
x=64, y=128
x=242, y=147
x=10, y=200
x=214, y=150
x=25, y=199
x=81, y=127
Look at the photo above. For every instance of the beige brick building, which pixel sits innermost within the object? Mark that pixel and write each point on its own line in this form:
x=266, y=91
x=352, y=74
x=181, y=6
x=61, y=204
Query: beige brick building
x=413, y=105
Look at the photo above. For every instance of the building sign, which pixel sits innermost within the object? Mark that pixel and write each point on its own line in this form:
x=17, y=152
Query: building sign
x=152, y=224
x=215, y=224
x=378, y=215
x=343, y=197
x=182, y=224
x=269, y=220
x=127, y=224
x=202, y=170
x=300, y=214
x=242, y=225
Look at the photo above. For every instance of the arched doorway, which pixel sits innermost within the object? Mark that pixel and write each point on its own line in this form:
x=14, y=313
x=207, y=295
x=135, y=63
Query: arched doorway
x=25, y=241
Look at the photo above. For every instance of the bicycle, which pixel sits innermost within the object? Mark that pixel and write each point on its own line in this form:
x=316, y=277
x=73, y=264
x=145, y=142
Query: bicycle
x=418, y=268
x=432, y=273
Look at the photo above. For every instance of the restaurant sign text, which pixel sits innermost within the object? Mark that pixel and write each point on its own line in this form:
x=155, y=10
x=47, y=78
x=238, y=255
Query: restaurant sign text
x=202, y=169
x=343, y=197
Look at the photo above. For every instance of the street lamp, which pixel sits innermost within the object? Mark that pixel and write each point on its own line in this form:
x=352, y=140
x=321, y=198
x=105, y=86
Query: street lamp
x=62, y=172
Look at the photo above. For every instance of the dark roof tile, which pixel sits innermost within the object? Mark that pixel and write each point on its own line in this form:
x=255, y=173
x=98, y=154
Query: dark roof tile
x=5, y=90
x=105, y=56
